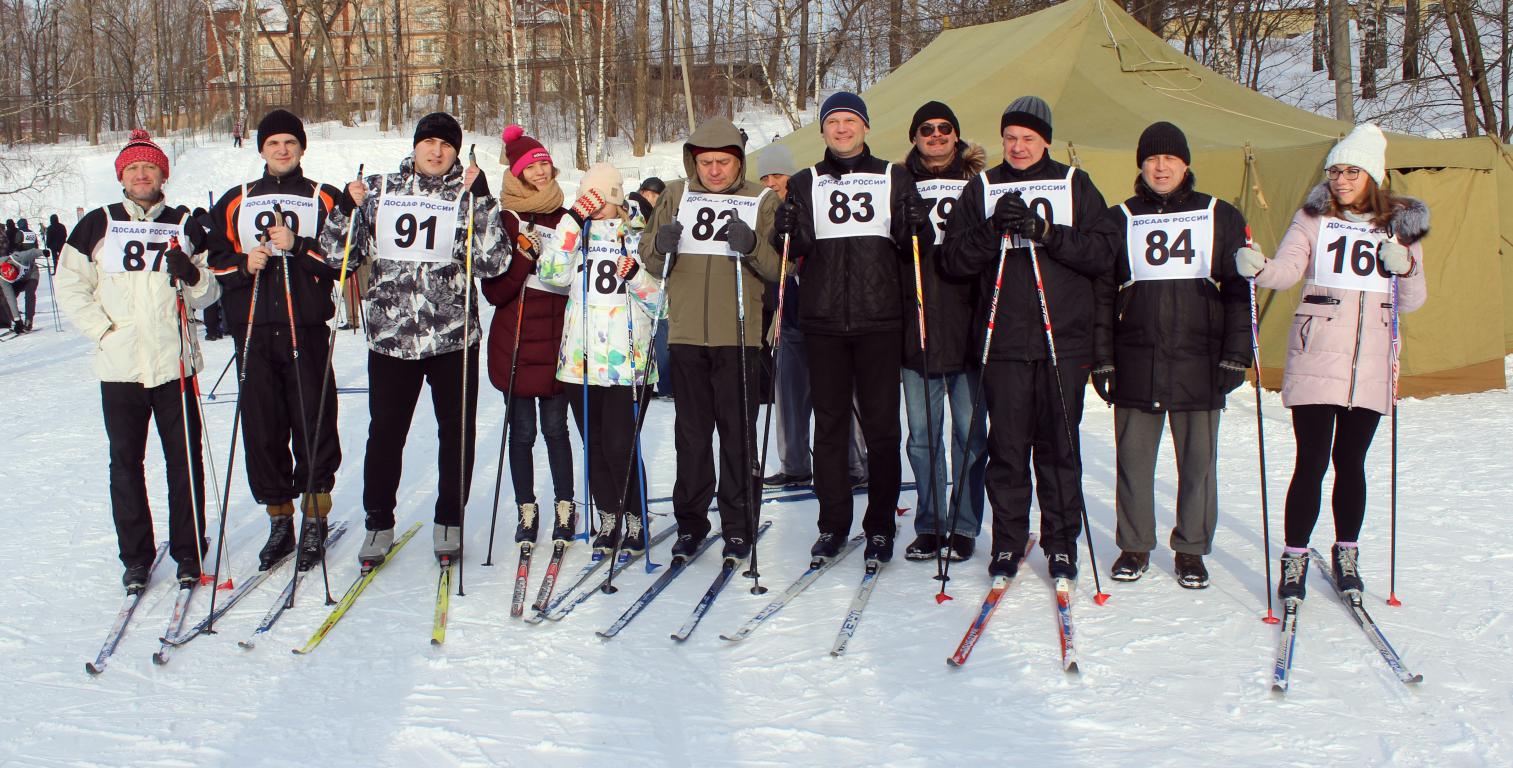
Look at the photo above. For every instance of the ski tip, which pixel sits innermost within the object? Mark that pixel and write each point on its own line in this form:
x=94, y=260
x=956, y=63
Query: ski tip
x=942, y=597
x=604, y=636
x=1101, y=598
x=245, y=645
x=953, y=663
x=1278, y=688
x=678, y=637
x=1393, y=601
x=435, y=642
x=1415, y=679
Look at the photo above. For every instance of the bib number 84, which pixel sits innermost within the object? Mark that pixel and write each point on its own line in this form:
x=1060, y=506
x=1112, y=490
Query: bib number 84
x=842, y=209
x=1158, y=252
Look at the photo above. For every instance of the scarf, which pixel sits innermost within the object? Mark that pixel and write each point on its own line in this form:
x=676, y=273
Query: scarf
x=522, y=199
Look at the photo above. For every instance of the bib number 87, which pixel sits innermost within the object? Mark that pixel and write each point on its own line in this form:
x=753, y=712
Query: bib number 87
x=1364, y=257
x=704, y=221
x=842, y=209
x=135, y=259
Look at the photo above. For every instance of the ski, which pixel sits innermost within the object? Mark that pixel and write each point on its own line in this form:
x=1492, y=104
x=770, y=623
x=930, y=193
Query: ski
x=443, y=602
x=358, y=585
x=596, y=560
x=549, y=581
x=244, y=589
x=1064, y=589
x=674, y=569
x=727, y=569
x=175, y=620
x=522, y=580
x=1281, y=668
x=817, y=568
x=999, y=586
x=123, y=617
x=624, y=561
x=276, y=611
x=1353, y=603
x=858, y=604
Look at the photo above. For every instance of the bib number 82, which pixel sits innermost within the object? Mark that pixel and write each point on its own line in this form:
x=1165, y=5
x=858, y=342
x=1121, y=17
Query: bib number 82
x=842, y=209
x=607, y=281
x=705, y=220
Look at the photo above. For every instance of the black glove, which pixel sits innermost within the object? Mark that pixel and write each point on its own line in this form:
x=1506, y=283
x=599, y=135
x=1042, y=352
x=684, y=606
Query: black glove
x=1008, y=212
x=916, y=213
x=740, y=236
x=480, y=186
x=786, y=221
x=668, y=236
x=1032, y=227
x=1231, y=376
x=179, y=266
x=1103, y=382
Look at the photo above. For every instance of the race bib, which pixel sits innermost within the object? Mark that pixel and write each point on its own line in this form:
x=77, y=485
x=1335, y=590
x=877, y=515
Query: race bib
x=1170, y=246
x=1050, y=199
x=600, y=264
x=941, y=194
x=548, y=241
x=138, y=246
x=1346, y=255
x=300, y=214
x=705, y=218
x=28, y=241
x=417, y=229
x=855, y=205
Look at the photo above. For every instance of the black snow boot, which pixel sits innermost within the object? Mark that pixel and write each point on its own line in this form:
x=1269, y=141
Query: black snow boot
x=1347, y=569
x=530, y=521
x=135, y=578
x=925, y=546
x=1294, y=576
x=312, y=542
x=280, y=536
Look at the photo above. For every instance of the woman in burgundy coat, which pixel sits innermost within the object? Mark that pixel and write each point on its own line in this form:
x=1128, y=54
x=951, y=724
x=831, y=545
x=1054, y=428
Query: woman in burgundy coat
x=526, y=370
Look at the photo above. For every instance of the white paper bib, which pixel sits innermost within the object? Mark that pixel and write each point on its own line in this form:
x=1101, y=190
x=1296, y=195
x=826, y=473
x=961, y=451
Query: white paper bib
x=855, y=205
x=1346, y=255
x=138, y=246
x=1170, y=246
x=1051, y=199
x=300, y=214
x=417, y=229
x=705, y=216
x=941, y=194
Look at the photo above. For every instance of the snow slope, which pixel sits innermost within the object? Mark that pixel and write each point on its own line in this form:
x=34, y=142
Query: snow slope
x=1170, y=677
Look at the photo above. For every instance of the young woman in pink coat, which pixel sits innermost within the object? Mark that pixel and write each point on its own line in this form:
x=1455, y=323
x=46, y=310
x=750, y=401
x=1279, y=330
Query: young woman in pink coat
x=1350, y=243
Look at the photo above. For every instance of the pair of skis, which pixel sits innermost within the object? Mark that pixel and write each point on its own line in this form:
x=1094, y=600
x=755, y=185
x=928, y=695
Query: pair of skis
x=817, y=568
x=1352, y=600
x=1064, y=589
x=580, y=590
x=675, y=569
x=353, y=592
x=123, y=618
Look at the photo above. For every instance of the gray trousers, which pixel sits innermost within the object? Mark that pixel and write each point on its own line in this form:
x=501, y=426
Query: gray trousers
x=1137, y=435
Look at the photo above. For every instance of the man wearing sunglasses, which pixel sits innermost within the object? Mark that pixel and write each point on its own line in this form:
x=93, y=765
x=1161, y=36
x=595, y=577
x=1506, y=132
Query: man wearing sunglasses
x=936, y=368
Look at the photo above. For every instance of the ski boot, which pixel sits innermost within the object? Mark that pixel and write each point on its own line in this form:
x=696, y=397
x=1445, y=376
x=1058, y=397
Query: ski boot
x=280, y=535
x=1347, y=570
x=526, y=527
x=1293, y=585
x=446, y=540
x=566, y=521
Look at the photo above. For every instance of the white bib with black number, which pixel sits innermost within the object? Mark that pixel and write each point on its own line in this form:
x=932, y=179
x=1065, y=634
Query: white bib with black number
x=257, y=215
x=855, y=205
x=1170, y=246
x=1051, y=199
x=413, y=228
x=138, y=246
x=600, y=267
x=548, y=241
x=705, y=217
x=941, y=194
x=1346, y=255
x=29, y=241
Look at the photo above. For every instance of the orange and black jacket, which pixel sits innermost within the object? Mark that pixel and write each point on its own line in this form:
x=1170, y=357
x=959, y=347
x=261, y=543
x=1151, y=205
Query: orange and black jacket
x=310, y=280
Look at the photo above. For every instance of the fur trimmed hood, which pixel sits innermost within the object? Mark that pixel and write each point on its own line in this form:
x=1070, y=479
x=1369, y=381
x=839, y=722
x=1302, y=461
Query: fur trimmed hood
x=1410, y=217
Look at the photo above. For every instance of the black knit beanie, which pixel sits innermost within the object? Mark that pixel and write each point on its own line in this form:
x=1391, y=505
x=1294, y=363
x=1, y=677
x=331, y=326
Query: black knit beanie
x=439, y=125
x=1162, y=138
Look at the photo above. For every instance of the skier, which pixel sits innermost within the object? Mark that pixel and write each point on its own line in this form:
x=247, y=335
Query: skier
x=1054, y=212
x=1352, y=242
x=56, y=236
x=1172, y=345
x=711, y=225
x=942, y=163
x=593, y=256
x=413, y=225
x=118, y=283
x=19, y=277
x=852, y=216
x=532, y=202
x=254, y=249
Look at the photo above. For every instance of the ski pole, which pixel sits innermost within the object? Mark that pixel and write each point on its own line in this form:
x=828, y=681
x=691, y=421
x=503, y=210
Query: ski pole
x=504, y=431
x=217, y=384
x=929, y=402
x=633, y=464
x=467, y=326
x=753, y=476
x=1394, y=351
x=196, y=500
x=1255, y=353
x=772, y=400
x=1099, y=596
x=588, y=495
x=982, y=370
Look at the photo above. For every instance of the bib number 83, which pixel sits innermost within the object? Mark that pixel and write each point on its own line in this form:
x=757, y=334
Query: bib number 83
x=842, y=209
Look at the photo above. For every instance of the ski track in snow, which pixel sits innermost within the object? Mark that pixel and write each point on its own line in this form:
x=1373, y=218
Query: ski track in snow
x=1169, y=677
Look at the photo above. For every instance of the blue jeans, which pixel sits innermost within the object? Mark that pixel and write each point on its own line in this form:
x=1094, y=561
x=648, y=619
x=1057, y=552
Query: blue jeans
x=959, y=388
x=664, y=361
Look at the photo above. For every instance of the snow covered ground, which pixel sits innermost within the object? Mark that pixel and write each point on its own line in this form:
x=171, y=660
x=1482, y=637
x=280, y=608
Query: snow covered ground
x=1170, y=677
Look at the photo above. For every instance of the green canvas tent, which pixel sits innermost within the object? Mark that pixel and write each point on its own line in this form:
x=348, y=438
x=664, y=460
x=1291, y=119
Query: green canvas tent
x=1107, y=77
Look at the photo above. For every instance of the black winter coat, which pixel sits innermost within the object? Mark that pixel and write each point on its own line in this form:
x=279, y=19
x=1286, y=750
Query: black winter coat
x=1073, y=261
x=1165, y=338
x=311, y=281
x=852, y=285
x=950, y=301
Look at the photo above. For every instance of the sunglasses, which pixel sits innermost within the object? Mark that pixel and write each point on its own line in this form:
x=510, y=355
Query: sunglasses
x=926, y=130
x=1351, y=174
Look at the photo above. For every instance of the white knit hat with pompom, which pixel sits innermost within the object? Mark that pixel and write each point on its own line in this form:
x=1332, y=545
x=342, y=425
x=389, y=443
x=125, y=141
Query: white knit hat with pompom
x=1364, y=148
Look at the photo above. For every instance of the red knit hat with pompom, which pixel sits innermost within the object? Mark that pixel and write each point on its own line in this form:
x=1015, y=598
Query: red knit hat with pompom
x=521, y=150
x=138, y=148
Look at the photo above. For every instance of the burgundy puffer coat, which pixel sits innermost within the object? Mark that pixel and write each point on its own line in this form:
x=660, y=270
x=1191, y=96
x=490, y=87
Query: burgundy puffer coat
x=540, y=325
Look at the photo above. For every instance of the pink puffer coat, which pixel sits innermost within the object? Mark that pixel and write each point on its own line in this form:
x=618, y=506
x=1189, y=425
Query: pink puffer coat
x=1338, y=352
